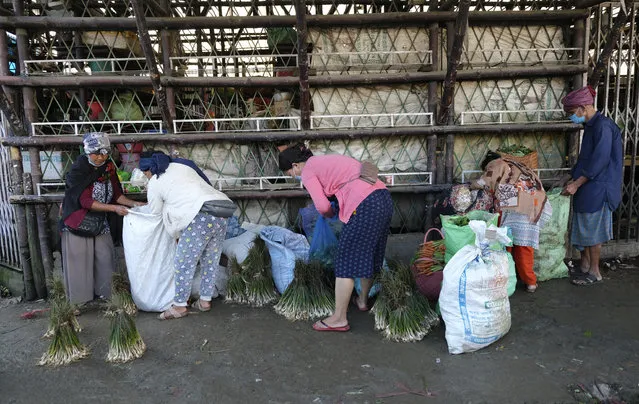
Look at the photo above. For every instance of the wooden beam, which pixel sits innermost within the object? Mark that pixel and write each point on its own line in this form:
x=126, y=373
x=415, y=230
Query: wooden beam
x=461, y=24
x=611, y=42
x=302, y=57
x=252, y=137
x=314, y=81
x=326, y=21
x=147, y=48
x=15, y=123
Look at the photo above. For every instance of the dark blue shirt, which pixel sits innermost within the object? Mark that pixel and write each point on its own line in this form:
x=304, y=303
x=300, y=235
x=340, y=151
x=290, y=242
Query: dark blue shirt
x=601, y=161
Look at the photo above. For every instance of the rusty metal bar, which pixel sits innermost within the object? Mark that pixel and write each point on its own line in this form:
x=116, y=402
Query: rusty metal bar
x=314, y=81
x=246, y=137
x=352, y=20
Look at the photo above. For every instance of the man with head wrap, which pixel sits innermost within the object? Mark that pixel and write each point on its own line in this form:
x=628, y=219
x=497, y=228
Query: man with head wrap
x=596, y=182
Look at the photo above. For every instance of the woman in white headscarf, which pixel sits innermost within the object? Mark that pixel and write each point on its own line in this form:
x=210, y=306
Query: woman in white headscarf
x=92, y=192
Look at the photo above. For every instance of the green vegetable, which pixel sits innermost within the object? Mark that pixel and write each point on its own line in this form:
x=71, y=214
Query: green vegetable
x=309, y=295
x=124, y=175
x=461, y=221
x=236, y=287
x=125, y=342
x=260, y=289
x=401, y=313
x=65, y=346
x=515, y=150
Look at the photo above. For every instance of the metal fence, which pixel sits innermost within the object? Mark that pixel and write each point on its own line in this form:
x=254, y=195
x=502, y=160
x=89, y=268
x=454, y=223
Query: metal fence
x=618, y=98
x=9, y=253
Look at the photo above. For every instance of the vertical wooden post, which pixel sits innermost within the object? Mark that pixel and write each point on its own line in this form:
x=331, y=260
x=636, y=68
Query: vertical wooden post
x=604, y=57
x=39, y=278
x=167, y=52
x=38, y=231
x=446, y=108
x=147, y=47
x=302, y=60
x=433, y=46
x=579, y=41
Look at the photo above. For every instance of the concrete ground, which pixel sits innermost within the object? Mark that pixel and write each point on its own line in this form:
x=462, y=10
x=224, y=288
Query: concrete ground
x=561, y=338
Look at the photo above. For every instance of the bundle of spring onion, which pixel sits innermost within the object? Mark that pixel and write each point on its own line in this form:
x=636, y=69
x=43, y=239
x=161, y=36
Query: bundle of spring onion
x=308, y=296
x=401, y=313
x=236, y=286
x=120, y=286
x=260, y=289
x=125, y=342
x=65, y=346
x=59, y=302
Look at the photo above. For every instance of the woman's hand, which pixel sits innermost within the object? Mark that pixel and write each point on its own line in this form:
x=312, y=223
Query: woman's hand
x=121, y=210
x=136, y=204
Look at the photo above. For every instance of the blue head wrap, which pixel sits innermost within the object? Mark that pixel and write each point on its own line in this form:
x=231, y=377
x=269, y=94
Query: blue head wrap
x=157, y=163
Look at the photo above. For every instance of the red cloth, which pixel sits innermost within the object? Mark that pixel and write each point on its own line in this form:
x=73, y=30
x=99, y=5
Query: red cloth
x=524, y=263
x=86, y=201
x=580, y=97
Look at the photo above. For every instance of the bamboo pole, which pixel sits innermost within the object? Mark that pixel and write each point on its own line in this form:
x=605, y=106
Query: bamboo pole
x=611, y=41
x=314, y=81
x=21, y=224
x=302, y=57
x=577, y=82
x=275, y=136
x=147, y=48
x=322, y=21
x=12, y=117
x=39, y=279
x=43, y=263
x=446, y=112
x=30, y=200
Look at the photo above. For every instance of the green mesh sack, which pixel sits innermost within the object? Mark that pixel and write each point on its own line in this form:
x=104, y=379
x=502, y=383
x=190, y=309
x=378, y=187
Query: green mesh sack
x=456, y=237
x=549, y=258
x=125, y=109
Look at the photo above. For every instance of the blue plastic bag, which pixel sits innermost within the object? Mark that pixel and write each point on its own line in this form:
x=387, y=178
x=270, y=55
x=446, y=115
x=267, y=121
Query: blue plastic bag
x=323, y=243
x=284, y=247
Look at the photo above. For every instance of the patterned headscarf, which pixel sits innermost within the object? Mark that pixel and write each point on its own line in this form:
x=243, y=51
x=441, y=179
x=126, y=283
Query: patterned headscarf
x=578, y=98
x=96, y=143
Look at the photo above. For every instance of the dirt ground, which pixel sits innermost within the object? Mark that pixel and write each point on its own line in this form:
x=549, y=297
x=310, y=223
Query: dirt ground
x=561, y=338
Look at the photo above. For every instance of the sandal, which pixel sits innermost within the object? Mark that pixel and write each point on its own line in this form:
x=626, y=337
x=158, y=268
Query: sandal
x=576, y=273
x=587, y=280
x=171, y=314
x=197, y=305
x=531, y=288
x=326, y=327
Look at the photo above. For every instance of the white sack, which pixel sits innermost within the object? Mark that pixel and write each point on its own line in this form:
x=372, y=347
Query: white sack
x=474, y=297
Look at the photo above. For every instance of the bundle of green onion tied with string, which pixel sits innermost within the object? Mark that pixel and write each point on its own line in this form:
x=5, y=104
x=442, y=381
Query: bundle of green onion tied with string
x=125, y=342
x=308, y=296
x=260, y=289
x=120, y=286
x=401, y=313
x=236, y=286
x=58, y=299
x=65, y=346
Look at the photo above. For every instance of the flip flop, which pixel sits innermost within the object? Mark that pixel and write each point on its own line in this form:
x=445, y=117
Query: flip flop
x=576, y=273
x=171, y=314
x=587, y=280
x=198, y=306
x=354, y=301
x=327, y=327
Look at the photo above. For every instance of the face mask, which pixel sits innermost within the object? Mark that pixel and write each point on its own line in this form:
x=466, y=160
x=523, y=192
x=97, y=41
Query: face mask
x=95, y=165
x=298, y=177
x=577, y=119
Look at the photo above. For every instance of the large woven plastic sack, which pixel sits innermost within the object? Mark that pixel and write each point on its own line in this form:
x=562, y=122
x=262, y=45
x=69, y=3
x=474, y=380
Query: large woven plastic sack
x=284, y=247
x=512, y=275
x=149, y=251
x=474, y=297
x=125, y=109
x=549, y=258
x=456, y=237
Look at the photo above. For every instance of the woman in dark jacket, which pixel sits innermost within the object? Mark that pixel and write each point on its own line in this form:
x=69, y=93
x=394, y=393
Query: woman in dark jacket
x=92, y=192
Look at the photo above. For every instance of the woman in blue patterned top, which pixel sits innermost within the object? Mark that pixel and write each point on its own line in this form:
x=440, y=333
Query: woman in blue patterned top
x=596, y=182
